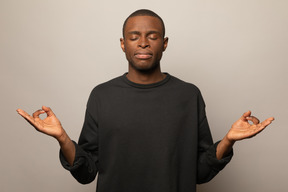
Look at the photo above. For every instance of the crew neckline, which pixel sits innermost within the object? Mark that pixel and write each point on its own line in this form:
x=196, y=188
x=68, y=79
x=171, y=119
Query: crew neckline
x=146, y=86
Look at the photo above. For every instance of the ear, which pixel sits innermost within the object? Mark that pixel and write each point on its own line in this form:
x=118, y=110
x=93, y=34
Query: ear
x=165, y=43
x=122, y=44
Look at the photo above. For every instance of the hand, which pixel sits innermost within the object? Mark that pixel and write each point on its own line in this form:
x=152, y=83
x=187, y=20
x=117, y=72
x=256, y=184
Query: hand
x=50, y=125
x=242, y=129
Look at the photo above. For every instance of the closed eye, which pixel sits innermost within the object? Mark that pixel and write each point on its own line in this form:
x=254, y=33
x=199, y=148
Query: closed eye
x=133, y=38
x=133, y=35
x=153, y=36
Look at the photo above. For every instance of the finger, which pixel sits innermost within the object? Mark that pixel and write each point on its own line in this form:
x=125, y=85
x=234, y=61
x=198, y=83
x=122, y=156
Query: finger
x=254, y=120
x=21, y=112
x=261, y=126
x=266, y=122
x=37, y=113
x=245, y=115
x=26, y=116
x=48, y=110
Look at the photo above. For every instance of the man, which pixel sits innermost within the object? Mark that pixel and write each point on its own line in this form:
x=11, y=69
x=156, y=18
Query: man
x=145, y=130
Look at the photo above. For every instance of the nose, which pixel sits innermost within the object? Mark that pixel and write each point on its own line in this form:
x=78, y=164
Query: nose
x=143, y=42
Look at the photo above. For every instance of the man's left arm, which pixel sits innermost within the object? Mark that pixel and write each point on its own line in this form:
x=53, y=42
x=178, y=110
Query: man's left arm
x=240, y=130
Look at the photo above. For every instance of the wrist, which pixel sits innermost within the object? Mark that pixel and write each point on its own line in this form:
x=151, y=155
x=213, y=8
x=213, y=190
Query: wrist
x=224, y=147
x=63, y=138
x=228, y=141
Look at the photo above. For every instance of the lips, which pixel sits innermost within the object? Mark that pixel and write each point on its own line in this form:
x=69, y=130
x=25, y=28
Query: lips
x=143, y=55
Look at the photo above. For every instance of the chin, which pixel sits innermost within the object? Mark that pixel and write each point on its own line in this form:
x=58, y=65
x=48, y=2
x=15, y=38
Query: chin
x=145, y=68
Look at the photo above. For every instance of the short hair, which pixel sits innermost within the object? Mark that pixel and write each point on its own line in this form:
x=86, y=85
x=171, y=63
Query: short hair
x=143, y=12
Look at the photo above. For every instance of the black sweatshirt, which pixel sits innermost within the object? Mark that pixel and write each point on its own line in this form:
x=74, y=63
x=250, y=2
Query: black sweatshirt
x=145, y=138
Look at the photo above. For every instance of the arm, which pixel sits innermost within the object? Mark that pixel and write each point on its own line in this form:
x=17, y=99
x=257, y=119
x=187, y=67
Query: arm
x=208, y=166
x=85, y=166
x=240, y=130
x=51, y=126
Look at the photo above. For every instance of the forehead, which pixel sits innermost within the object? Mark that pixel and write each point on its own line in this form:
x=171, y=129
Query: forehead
x=143, y=24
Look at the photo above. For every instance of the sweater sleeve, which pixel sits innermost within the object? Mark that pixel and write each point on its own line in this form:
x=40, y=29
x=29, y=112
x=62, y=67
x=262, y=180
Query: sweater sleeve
x=85, y=165
x=208, y=165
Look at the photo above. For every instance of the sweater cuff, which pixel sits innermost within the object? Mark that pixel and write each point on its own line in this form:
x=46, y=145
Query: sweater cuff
x=218, y=165
x=78, y=161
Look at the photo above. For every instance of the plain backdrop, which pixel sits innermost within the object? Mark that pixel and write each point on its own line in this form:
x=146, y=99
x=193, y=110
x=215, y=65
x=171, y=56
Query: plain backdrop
x=54, y=52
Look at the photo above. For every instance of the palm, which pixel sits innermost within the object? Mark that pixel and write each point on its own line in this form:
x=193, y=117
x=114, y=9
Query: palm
x=242, y=129
x=50, y=125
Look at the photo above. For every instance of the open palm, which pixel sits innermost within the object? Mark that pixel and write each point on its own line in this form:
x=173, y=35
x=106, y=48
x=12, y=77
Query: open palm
x=242, y=129
x=50, y=125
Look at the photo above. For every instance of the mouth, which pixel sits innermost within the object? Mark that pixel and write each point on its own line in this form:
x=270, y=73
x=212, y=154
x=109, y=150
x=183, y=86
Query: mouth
x=143, y=55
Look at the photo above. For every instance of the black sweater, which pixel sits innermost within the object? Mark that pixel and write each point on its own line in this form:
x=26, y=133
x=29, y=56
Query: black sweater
x=145, y=138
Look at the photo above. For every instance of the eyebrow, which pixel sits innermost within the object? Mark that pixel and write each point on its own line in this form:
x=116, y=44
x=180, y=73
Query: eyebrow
x=149, y=32
x=134, y=32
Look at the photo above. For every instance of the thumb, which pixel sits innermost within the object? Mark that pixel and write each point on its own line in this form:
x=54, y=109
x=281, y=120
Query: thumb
x=48, y=110
x=245, y=115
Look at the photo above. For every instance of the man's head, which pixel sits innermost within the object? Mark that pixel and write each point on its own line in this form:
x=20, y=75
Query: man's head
x=143, y=12
x=143, y=41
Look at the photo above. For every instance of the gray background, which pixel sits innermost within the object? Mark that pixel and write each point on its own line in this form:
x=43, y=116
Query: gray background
x=53, y=52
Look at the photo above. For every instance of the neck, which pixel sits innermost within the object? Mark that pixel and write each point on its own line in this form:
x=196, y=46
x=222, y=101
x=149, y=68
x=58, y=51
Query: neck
x=143, y=77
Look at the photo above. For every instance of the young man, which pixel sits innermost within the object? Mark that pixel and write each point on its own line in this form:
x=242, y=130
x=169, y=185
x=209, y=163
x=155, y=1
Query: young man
x=145, y=130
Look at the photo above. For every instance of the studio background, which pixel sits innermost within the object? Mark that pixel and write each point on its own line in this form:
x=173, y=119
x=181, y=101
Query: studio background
x=54, y=52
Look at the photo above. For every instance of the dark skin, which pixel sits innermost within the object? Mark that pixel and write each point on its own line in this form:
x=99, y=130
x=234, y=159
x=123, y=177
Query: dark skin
x=143, y=44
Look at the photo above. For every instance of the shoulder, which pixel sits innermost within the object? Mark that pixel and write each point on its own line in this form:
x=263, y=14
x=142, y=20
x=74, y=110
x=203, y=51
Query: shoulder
x=103, y=90
x=181, y=85
x=186, y=91
x=108, y=86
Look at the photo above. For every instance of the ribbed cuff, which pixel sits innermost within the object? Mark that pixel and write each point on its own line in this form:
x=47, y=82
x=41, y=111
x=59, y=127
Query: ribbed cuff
x=218, y=165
